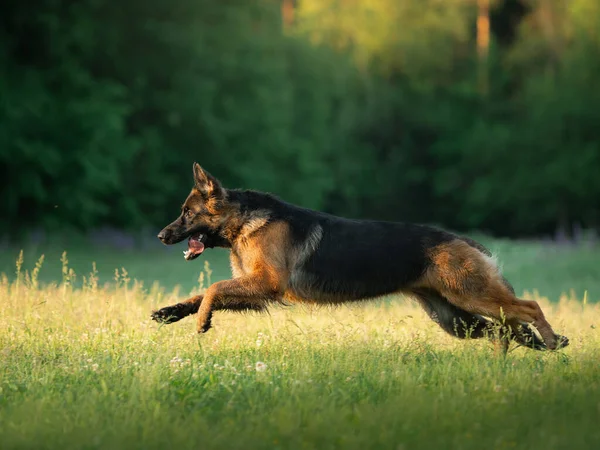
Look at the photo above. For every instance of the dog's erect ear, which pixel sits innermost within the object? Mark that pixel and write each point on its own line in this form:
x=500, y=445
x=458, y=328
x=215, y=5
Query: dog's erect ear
x=206, y=183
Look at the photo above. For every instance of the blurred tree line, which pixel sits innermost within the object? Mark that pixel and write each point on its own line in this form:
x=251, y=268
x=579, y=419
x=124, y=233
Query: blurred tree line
x=475, y=114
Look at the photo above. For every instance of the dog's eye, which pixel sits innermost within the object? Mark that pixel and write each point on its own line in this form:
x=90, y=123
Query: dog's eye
x=188, y=213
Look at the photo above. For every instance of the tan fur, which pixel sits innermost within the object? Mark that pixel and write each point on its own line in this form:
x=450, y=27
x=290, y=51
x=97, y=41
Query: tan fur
x=196, y=202
x=262, y=270
x=471, y=281
x=273, y=242
x=253, y=225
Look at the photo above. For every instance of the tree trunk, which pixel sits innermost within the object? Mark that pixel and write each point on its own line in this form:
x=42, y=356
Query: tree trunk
x=483, y=44
x=287, y=13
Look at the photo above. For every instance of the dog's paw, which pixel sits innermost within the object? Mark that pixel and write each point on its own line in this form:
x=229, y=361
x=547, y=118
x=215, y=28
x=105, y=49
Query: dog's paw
x=561, y=342
x=204, y=324
x=166, y=315
x=204, y=328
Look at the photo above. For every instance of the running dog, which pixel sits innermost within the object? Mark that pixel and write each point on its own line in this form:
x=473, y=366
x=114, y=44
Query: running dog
x=282, y=253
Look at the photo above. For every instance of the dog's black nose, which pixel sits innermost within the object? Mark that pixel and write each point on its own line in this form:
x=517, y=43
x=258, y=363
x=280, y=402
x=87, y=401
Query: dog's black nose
x=163, y=235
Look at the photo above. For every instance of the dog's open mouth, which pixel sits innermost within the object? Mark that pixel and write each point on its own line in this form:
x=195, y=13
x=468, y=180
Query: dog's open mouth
x=195, y=246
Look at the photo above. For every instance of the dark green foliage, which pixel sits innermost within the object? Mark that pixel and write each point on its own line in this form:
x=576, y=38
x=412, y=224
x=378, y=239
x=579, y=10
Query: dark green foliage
x=358, y=111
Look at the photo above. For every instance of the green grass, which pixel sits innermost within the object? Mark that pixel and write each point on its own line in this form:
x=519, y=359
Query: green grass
x=156, y=263
x=83, y=367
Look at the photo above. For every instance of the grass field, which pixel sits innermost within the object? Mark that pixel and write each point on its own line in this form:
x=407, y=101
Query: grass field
x=82, y=367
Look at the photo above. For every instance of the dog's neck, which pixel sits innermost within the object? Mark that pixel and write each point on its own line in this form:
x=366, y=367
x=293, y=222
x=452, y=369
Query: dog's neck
x=246, y=213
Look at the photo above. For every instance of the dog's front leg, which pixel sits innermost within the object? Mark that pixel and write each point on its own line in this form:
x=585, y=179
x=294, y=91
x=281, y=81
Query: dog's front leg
x=170, y=314
x=254, y=289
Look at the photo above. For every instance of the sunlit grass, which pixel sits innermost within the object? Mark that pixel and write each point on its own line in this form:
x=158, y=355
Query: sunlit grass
x=86, y=368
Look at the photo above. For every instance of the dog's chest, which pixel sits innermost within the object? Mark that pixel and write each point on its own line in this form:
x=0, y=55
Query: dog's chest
x=237, y=264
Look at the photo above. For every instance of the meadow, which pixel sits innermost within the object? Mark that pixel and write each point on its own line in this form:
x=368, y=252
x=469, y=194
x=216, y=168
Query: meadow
x=83, y=367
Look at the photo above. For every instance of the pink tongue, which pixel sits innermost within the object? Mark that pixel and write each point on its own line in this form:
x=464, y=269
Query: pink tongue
x=195, y=246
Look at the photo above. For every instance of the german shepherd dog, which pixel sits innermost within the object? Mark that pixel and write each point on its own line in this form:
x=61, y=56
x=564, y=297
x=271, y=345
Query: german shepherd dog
x=282, y=253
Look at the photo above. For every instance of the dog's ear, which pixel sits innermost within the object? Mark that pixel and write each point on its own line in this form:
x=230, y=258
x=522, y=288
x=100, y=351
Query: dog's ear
x=206, y=183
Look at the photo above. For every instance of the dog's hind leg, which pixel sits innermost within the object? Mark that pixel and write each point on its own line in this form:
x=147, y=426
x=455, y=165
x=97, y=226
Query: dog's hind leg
x=521, y=333
x=472, y=282
x=451, y=319
x=465, y=325
x=174, y=313
x=460, y=323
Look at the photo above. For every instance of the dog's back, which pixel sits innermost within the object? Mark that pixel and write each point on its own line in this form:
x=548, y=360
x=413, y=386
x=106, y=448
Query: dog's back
x=364, y=259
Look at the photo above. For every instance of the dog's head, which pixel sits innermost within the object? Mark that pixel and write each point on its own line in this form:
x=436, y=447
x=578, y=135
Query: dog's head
x=201, y=216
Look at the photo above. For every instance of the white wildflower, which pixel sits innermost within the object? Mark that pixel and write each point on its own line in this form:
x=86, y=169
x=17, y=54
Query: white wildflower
x=176, y=362
x=259, y=340
x=260, y=366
